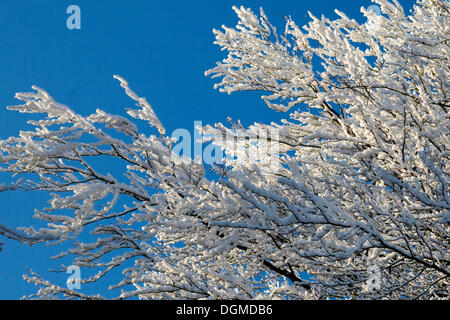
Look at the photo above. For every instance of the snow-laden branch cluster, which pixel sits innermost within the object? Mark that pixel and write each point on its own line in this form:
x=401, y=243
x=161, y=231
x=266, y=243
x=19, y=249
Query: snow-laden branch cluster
x=362, y=178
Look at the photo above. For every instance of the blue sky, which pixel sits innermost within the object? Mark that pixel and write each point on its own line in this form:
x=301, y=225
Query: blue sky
x=161, y=47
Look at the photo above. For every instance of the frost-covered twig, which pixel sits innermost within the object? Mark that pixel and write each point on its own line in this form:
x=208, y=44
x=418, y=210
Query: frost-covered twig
x=361, y=178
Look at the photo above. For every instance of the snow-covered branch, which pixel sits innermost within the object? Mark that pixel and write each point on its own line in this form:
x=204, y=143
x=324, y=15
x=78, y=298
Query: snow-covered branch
x=357, y=177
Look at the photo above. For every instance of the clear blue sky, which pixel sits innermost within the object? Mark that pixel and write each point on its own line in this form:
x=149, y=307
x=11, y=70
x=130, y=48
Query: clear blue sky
x=161, y=47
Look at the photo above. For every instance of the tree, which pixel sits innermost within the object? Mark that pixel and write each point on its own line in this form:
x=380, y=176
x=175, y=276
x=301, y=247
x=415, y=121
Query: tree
x=353, y=204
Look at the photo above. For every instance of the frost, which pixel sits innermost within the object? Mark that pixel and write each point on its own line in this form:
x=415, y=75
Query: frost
x=362, y=180
x=146, y=113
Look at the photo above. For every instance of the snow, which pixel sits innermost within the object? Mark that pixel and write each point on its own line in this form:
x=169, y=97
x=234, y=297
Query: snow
x=359, y=174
